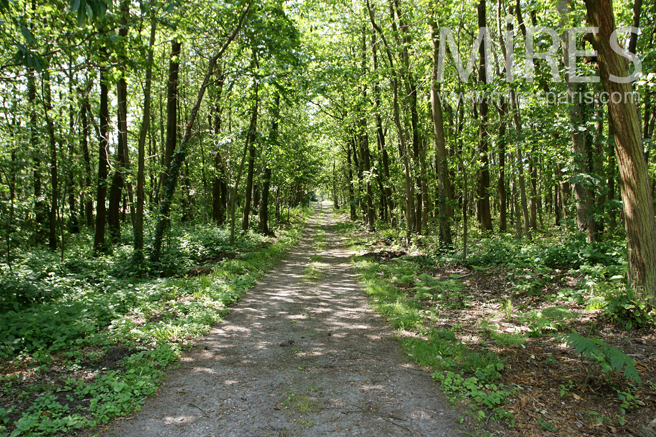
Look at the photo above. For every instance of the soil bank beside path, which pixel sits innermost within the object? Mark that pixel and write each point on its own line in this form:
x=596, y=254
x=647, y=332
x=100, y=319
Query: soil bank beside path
x=301, y=354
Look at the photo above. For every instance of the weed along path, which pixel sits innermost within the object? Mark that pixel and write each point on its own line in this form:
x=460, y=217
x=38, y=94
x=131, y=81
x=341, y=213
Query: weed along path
x=301, y=354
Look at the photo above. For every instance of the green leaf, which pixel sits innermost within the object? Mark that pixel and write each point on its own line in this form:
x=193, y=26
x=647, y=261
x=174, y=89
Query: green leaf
x=27, y=34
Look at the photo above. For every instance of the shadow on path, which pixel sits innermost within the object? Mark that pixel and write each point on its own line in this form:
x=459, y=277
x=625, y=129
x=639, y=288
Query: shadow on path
x=301, y=354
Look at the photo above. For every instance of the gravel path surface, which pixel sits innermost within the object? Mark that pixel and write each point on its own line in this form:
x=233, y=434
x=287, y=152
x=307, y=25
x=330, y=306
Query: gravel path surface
x=301, y=354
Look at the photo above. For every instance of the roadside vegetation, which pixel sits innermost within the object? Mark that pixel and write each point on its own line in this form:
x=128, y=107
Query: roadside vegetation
x=531, y=337
x=87, y=339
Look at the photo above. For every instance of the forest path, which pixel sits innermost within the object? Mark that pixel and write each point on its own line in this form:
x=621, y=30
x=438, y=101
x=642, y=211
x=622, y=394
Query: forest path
x=301, y=354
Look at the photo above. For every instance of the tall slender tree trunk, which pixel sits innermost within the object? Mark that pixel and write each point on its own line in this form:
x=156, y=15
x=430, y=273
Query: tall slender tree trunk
x=533, y=172
x=636, y=194
x=181, y=154
x=99, y=235
x=380, y=138
x=54, y=196
x=503, y=114
x=440, y=147
x=350, y=182
x=520, y=165
x=251, y=166
x=118, y=179
x=84, y=140
x=37, y=156
x=266, y=179
x=219, y=185
x=403, y=149
x=612, y=214
x=483, y=136
x=584, y=220
x=172, y=104
x=143, y=134
x=250, y=136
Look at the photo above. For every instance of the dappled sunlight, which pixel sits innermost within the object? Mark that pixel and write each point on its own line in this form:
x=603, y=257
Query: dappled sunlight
x=179, y=420
x=309, y=347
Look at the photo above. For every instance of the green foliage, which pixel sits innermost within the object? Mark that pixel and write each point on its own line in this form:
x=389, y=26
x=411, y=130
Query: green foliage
x=428, y=287
x=504, y=339
x=629, y=312
x=549, y=319
x=86, y=307
x=488, y=395
x=546, y=426
x=610, y=359
x=572, y=252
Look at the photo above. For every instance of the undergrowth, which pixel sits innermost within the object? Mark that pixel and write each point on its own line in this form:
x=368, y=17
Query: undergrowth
x=110, y=330
x=402, y=288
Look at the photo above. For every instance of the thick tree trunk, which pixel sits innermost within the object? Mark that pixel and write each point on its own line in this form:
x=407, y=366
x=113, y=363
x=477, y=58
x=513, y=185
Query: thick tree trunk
x=636, y=194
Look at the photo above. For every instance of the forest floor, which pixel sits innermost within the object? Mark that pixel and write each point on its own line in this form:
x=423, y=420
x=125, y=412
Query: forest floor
x=301, y=354
x=472, y=323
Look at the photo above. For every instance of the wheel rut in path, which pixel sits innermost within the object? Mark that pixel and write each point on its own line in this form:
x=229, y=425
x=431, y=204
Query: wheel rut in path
x=301, y=354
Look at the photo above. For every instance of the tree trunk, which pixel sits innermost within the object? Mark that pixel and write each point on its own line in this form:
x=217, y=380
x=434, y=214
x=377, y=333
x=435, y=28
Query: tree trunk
x=219, y=185
x=403, y=150
x=47, y=102
x=386, y=191
x=441, y=163
x=636, y=194
x=579, y=146
x=172, y=105
x=118, y=180
x=181, y=154
x=250, y=136
x=483, y=136
x=503, y=114
x=533, y=171
x=99, y=235
x=143, y=133
x=266, y=180
x=251, y=166
x=84, y=140
x=39, y=205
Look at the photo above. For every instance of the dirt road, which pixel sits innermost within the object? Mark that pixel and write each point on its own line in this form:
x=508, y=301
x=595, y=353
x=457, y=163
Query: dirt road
x=301, y=354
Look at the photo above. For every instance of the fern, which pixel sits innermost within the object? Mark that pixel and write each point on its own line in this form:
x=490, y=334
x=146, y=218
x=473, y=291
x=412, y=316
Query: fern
x=596, y=303
x=550, y=319
x=608, y=357
x=558, y=313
